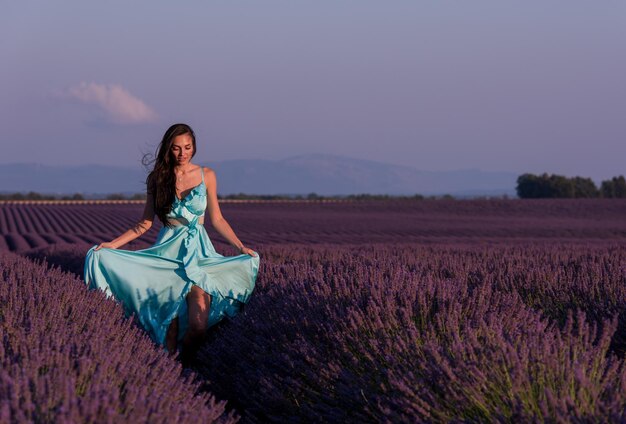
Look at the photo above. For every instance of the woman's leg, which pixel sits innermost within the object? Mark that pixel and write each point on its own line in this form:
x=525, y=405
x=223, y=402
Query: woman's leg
x=198, y=305
x=171, y=338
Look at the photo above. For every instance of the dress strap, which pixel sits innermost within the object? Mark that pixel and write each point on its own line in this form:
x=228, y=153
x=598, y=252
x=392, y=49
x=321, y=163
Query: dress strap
x=202, y=173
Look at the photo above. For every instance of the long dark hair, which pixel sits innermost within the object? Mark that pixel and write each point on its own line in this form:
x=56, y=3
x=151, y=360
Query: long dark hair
x=161, y=181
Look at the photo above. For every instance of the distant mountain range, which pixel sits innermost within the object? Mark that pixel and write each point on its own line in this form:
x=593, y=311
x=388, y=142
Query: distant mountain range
x=319, y=173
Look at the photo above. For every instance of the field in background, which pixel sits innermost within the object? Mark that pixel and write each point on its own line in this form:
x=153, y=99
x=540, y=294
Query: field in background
x=380, y=311
x=28, y=226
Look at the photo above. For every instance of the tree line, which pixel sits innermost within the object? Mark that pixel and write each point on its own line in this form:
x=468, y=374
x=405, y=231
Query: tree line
x=531, y=186
x=32, y=195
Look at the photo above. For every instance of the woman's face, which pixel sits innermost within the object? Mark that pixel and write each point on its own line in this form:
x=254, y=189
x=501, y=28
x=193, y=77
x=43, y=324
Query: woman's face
x=182, y=149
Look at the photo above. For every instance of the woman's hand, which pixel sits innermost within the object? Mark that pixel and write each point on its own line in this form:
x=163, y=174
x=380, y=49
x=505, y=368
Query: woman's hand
x=245, y=250
x=107, y=245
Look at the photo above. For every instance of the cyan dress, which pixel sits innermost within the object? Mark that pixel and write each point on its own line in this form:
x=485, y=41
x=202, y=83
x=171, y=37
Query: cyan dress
x=152, y=283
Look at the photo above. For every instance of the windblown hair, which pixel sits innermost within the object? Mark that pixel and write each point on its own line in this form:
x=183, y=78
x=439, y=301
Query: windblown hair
x=161, y=182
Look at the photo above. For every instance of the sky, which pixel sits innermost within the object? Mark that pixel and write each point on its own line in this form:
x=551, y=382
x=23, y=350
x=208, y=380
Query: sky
x=526, y=86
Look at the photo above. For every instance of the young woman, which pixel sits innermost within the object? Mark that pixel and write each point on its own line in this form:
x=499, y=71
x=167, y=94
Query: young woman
x=180, y=286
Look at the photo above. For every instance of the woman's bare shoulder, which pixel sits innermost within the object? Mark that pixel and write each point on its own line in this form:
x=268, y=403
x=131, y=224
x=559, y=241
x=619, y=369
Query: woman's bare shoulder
x=208, y=172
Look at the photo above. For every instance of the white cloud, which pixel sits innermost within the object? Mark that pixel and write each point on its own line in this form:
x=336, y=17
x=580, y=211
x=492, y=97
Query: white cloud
x=120, y=106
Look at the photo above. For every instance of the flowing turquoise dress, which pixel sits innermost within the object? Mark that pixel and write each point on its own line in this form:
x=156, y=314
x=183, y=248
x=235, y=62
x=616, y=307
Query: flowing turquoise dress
x=152, y=283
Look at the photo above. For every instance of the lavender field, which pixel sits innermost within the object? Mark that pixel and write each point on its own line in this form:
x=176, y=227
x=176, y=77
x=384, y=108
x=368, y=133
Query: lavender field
x=383, y=311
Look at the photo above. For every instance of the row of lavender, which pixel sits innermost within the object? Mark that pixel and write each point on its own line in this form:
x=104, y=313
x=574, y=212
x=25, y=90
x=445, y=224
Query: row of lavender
x=24, y=227
x=447, y=333
x=406, y=332
x=69, y=355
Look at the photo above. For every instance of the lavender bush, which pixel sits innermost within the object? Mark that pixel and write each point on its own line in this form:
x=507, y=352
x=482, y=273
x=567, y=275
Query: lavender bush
x=68, y=257
x=68, y=355
x=407, y=333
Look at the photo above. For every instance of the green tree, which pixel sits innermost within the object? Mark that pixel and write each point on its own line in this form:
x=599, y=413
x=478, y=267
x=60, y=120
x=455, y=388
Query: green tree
x=31, y=195
x=614, y=188
x=526, y=186
x=560, y=186
x=531, y=186
x=585, y=188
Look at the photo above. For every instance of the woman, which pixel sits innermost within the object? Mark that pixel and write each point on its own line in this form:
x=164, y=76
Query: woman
x=180, y=286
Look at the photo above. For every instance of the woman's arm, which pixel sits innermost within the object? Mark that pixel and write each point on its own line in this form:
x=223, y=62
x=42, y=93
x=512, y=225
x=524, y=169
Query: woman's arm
x=137, y=230
x=217, y=220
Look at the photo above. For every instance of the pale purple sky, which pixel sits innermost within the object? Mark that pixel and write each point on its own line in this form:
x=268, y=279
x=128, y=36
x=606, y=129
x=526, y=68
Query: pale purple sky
x=528, y=86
